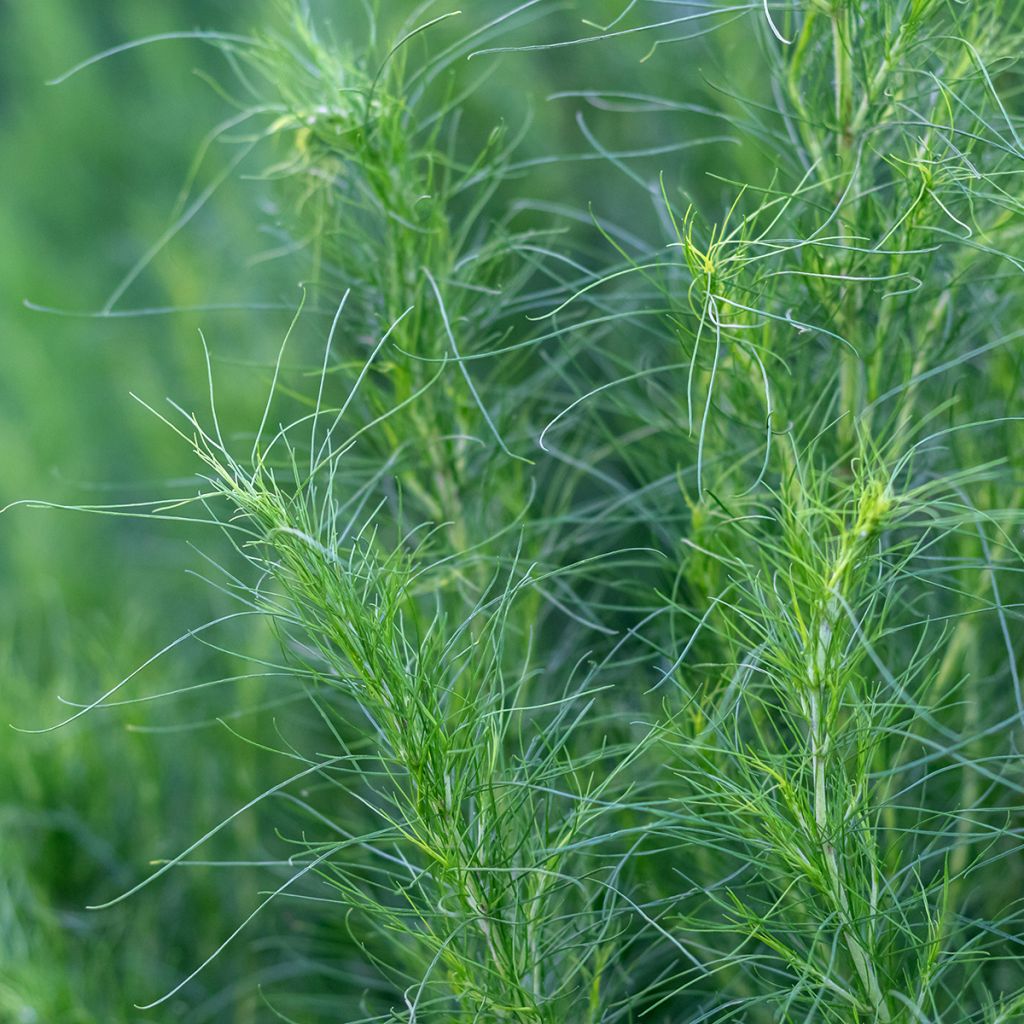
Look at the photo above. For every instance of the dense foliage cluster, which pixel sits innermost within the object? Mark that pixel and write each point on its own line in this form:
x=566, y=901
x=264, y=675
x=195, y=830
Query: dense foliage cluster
x=638, y=528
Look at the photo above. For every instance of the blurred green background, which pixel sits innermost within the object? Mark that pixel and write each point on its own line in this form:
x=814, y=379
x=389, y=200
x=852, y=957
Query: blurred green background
x=91, y=173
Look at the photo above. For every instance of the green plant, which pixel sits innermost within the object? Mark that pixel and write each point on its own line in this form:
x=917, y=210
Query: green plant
x=655, y=622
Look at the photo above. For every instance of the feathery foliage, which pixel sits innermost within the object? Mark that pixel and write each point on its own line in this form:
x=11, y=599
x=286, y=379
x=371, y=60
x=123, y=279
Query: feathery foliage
x=644, y=584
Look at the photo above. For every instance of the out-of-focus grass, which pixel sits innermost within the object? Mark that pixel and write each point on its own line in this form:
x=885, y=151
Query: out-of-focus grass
x=91, y=169
x=90, y=172
x=78, y=813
